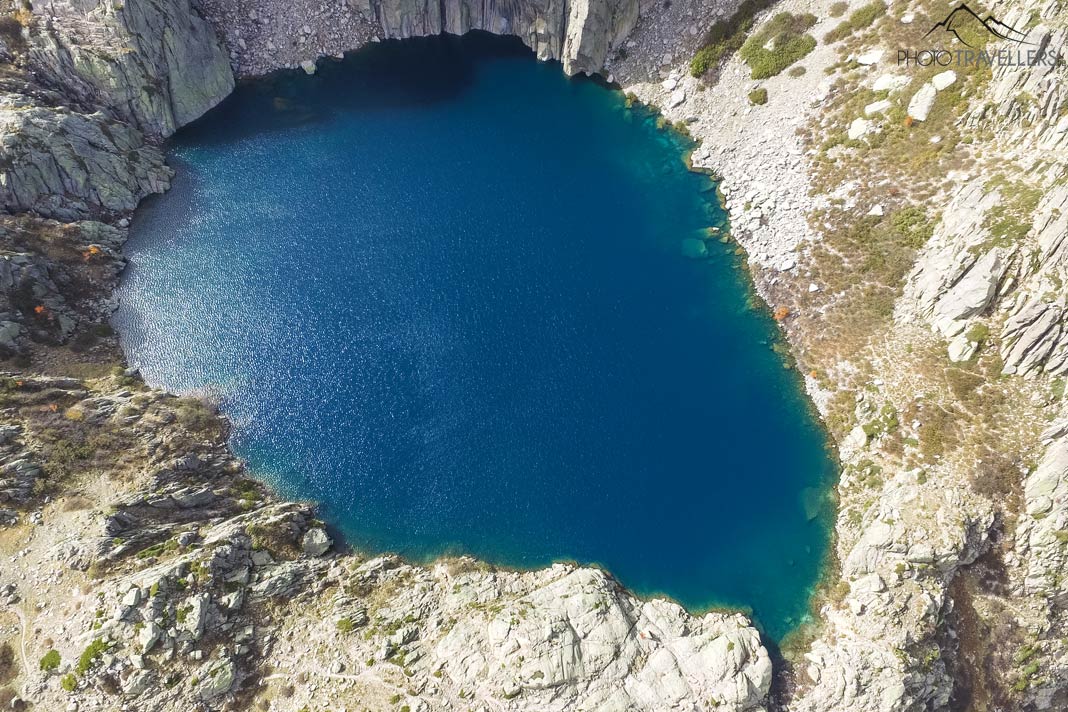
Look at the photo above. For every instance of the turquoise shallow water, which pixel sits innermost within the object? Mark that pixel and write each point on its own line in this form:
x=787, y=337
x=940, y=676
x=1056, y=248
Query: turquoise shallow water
x=441, y=288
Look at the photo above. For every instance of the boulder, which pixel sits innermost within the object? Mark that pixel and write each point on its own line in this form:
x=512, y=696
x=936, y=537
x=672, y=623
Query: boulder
x=218, y=679
x=877, y=107
x=944, y=80
x=961, y=348
x=889, y=82
x=870, y=57
x=971, y=295
x=922, y=102
x=316, y=542
x=858, y=128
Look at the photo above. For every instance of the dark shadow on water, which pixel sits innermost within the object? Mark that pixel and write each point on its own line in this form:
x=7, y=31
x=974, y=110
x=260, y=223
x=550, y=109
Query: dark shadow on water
x=387, y=75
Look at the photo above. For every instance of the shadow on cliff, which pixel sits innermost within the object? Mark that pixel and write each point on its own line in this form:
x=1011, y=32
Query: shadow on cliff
x=385, y=76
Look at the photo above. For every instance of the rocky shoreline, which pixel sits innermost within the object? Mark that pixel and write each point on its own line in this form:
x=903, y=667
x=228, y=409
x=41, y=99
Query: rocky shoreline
x=147, y=570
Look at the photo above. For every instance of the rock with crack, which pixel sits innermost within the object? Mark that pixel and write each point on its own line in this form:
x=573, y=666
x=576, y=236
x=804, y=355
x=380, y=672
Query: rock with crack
x=66, y=164
x=154, y=63
x=579, y=34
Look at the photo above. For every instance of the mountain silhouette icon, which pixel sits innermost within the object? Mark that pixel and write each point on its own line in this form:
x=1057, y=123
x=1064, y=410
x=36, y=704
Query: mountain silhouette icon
x=963, y=16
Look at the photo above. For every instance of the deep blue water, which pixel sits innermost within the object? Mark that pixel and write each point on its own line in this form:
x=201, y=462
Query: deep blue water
x=441, y=288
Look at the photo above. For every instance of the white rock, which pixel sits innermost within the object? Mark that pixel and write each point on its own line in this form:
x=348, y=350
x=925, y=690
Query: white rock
x=308, y=66
x=148, y=636
x=218, y=680
x=961, y=349
x=922, y=102
x=877, y=107
x=876, y=211
x=889, y=82
x=944, y=80
x=856, y=439
x=677, y=97
x=858, y=128
x=132, y=597
x=907, y=18
x=869, y=58
x=316, y=542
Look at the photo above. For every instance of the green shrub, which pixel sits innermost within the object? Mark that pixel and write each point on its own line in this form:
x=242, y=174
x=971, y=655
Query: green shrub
x=726, y=37
x=785, y=35
x=913, y=226
x=50, y=661
x=758, y=97
x=838, y=9
x=797, y=71
x=90, y=655
x=860, y=19
x=68, y=682
x=978, y=333
x=345, y=625
x=195, y=415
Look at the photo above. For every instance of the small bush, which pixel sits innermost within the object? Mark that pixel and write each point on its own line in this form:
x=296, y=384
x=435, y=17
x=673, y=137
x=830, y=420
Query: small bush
x=978, y=333
x=838, y=9
x=195, y=415
x=785, y=35
x=68, y=682
x=797, y=71
x=345, y=625
x=860, y=19
x=913, y=226
x=726, y=36
x=758, y=97
x=90, y=655
x=50, y=661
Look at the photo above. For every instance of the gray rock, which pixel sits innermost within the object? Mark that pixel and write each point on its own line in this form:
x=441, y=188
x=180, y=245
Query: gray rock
x=217, y=680
x=316, y=542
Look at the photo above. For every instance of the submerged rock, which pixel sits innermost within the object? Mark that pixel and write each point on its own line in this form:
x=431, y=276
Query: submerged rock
x=694, y=248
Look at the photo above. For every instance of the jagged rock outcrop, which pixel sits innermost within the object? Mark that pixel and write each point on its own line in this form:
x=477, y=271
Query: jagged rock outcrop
x=263, y=35
x=153, y=63
x=19, y=470
x=61, y=163
x=1042, y=538
x=1028, y=101
x=579, y=34
x=1034, y=338
x=958, y=273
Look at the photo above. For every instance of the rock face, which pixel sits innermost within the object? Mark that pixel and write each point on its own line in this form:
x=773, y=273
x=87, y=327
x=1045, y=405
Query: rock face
x=263, y=35
x=153, y=63
x=65, y=164
x=586, y=645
